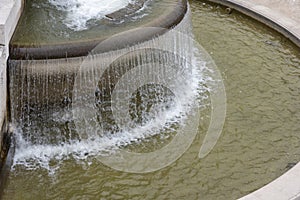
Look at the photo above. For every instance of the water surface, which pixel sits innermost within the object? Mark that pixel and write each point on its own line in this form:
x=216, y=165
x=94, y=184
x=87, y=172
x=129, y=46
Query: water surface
x=261, y=73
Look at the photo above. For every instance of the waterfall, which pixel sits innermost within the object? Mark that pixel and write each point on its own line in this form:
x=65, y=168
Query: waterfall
x=80, y=107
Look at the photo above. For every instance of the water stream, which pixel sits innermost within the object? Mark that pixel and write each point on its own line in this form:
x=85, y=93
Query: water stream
x=59, y=157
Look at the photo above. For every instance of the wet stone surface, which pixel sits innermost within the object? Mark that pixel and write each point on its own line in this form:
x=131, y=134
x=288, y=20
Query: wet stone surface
x=128, y=10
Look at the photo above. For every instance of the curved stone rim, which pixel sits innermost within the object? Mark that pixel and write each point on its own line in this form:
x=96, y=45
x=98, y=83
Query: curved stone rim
x=83, y=47
x=285, y=26
x=287, y=186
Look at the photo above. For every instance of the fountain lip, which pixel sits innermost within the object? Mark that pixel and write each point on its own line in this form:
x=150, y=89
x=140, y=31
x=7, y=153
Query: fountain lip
x=287, y=186
x=79, y=48
x=128, y=10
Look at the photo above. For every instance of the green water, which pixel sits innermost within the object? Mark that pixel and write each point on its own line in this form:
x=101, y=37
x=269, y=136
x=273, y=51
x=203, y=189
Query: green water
x=261, y=73
x=42, y=24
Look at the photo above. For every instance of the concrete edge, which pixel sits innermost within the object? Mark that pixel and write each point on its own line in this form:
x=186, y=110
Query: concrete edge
x=282, y=24
x=82, y=47
x=3, y=105
x=286, y=186
x=10, y=12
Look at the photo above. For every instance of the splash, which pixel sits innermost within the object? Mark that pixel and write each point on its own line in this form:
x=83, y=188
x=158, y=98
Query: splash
x=34, y=155
x=80, y=12
x=34, y=151
x=121, y=99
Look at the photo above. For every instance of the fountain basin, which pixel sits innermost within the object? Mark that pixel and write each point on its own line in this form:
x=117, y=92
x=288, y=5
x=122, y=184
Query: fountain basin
x=282, y=17
x=33, y=39
x=293, y=193
x=51, y=65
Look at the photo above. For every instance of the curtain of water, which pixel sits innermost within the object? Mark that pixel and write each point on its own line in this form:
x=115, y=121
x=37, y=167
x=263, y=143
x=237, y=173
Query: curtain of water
x=39, y=93
x=104, y=100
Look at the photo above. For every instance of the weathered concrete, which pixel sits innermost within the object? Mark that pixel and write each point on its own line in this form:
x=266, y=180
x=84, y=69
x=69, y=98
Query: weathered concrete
x=2, y=89
x=10, y=11
x=40, y=48
x=285, y=187
x=283, y=16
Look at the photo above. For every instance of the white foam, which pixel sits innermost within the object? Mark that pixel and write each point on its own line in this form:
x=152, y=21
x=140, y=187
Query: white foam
x=79, y=12
x=49, y=156
x=32, y=156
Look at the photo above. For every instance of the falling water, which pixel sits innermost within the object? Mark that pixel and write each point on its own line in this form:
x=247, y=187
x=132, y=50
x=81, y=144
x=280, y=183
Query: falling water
x=83, y=107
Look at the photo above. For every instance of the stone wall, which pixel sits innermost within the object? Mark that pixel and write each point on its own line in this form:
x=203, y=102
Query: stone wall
x=3, y=93
x=10, y=11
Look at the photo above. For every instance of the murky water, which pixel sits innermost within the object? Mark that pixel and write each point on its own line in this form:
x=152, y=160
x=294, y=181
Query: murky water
x=261, y=73
x=52, y=22
x=80, y=12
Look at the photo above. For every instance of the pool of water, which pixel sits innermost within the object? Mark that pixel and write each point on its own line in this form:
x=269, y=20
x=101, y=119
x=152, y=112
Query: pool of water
x=47, y=22
x=56, y=29
x=259, y=141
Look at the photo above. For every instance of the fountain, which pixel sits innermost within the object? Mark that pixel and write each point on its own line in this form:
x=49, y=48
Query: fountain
x=69, y=50
x=67, y=89
x=33, y=39
x=55, y=94
x=121, y=108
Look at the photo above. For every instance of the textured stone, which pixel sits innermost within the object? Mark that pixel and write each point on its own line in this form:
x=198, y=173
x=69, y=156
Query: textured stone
x=128, y=10
x=10, y=11
x=283, y=16
x=2, y=88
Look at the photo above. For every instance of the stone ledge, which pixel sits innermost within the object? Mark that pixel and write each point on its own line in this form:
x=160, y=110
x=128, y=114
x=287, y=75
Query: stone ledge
x=10, y=11
x=166, y=19
x=275, y=19
x=2, y=90
x=286, y=186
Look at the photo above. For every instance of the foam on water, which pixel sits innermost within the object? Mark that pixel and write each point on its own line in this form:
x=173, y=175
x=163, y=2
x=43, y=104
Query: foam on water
x=79, y=12
x=187, y=77
x=49, y=157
